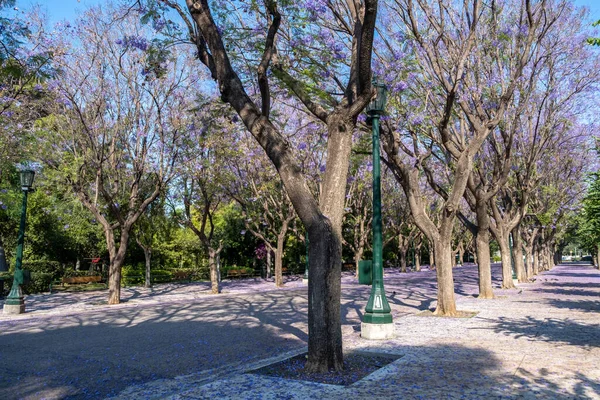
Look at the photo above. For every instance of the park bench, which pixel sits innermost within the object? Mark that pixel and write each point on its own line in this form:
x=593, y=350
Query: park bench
x=237, y=273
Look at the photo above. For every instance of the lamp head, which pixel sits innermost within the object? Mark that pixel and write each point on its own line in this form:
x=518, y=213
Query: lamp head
x=27, y=176
x=377, y=104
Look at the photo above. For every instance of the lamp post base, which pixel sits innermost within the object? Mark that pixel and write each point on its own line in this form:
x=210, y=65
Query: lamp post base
x=376, y=331
x=15, y=308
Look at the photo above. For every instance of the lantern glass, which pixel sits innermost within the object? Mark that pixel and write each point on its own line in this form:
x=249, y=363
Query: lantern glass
x=27, y=179
x=377, y=104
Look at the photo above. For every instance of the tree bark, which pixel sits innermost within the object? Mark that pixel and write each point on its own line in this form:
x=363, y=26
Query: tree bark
x=431, y=256
x=268, y=262
x=446, y=304
x=528, y=261
x=117, y=259
x=484, y=265
x=518, y=255
x=148, y=257
x=507, y=281
x=536, y=259
x=215, y=286
x=279, y=261
x=402, y=260
x=357, y=257
x=324, y=322
x=418, y=259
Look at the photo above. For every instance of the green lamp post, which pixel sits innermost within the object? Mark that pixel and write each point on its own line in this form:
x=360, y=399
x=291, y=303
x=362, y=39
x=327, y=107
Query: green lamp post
x=14, y=302
x=377, y=321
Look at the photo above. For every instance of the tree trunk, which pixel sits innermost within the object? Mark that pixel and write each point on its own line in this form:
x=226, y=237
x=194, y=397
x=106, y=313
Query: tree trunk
x=518, y=255
x=357, y=257
x=536, y=260
x=324, y=292
x=214, y=273
x=431, y=256
x=528, y=261
x=482, y=249
x=507, y=281
x=418, y=259
x=116, y=261
x=325, y=259
x=114, y=276
x=549, y=258
x=446, y=304
x=147, y=256
x=279, y=261
x=268, y=262
x=402, y=260
x=403, y=246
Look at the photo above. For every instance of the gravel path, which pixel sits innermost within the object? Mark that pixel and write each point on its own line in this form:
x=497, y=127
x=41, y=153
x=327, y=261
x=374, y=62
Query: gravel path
x=541, y=340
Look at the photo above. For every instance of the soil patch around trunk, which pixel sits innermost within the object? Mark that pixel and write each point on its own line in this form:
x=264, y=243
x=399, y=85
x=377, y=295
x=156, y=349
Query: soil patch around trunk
x=357, y=365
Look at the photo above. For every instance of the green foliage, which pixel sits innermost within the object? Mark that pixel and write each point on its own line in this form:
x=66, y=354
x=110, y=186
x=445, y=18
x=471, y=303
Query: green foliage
x=238, y=248
x=43, y=273
x=133, y=276
x=589, y=217
x=594, y=41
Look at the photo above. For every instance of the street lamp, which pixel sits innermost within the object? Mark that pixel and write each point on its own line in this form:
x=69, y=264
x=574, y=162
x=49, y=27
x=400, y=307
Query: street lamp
x=14, y=302
x=377, y=321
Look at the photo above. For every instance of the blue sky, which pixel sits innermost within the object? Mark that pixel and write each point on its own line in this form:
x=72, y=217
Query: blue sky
x=67, y=9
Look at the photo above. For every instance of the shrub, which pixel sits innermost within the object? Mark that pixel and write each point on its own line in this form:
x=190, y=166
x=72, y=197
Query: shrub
x=40, y=282
x=131, y=276
x=45, y=266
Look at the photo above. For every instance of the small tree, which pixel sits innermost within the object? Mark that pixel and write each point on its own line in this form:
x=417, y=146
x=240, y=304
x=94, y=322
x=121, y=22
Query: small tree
x=116, y=130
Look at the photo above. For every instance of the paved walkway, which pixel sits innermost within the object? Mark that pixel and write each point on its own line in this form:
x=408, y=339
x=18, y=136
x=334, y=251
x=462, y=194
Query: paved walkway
x=541, y=340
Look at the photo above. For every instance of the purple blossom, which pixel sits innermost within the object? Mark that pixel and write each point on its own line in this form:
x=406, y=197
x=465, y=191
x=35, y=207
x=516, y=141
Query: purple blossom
x=133, y=41
x=261, y=251
x=158, y=24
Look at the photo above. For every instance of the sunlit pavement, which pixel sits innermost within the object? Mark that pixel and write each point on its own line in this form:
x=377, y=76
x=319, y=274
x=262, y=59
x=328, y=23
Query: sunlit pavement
x=541, y=340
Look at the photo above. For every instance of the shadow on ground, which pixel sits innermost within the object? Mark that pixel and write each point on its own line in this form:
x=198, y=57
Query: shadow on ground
x=97, y=355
